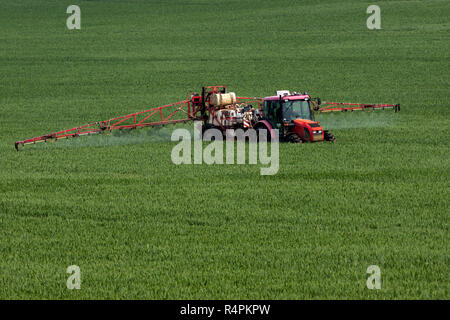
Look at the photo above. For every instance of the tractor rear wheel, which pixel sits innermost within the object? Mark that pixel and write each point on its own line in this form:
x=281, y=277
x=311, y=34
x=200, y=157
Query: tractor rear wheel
x=207, y=127
x=260, y=129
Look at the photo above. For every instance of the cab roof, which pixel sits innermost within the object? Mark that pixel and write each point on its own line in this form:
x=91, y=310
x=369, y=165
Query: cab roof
x=291, y=97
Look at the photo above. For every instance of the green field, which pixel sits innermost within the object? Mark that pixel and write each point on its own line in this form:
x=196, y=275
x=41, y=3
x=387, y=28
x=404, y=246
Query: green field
x=140, y=227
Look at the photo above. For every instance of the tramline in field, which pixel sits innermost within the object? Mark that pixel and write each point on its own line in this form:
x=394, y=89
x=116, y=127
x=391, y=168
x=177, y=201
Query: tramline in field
x=291, y=113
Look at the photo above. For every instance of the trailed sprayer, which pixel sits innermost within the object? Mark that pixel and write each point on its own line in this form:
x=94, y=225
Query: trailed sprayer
x=291, y=113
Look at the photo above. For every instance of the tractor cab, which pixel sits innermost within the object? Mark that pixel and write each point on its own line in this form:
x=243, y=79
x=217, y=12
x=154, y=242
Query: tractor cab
x=286, y=108
x=292, y=115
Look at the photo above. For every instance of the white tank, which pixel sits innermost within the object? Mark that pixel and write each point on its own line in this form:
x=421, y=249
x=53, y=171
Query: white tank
x=223, y=99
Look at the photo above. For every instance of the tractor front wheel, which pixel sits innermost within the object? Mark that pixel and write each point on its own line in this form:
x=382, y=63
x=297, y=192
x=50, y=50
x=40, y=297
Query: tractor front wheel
x=294, y=138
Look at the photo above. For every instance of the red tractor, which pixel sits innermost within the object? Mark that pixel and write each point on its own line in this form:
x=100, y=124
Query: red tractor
x=293, y=116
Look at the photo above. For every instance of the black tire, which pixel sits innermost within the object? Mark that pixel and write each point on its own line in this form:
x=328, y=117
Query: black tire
x=263, y=128
x=206, y=127
x=294, y=138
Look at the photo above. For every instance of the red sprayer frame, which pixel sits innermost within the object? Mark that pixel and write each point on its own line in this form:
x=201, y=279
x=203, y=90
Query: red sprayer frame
x=152, y=117
x=344, y=106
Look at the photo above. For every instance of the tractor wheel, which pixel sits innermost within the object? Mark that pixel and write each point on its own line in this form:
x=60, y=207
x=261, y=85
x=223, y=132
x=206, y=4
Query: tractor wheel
x=294, y=138
x=328, y=136
x=206, y=127
x=263, y=128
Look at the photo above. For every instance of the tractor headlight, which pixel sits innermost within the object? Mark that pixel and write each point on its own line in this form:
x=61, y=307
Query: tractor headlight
x=317, y=131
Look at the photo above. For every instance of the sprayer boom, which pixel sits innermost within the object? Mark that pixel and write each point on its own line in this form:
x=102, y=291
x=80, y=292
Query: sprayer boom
x=152, y=117
x=325, y=106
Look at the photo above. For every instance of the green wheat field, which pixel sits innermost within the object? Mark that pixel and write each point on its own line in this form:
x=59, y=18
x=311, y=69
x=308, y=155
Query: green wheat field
x=141, y=227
